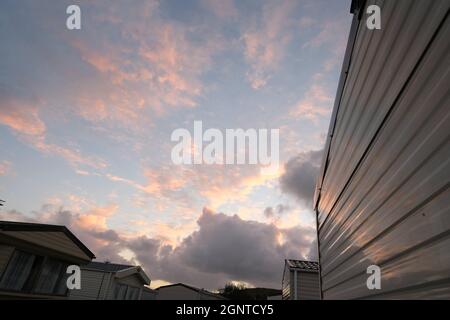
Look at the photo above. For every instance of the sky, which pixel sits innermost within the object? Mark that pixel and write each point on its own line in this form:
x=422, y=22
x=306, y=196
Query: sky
x=86, y=118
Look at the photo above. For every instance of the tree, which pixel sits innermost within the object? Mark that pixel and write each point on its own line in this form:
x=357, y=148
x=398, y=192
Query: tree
x=238, y=291
x=235, y=291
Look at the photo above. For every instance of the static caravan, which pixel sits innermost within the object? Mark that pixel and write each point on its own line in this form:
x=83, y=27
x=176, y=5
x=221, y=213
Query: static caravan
x=300, y=280
x=149, y=294
x=34, y=259
x=382, y=198
x=111, y=281
x=181, y=291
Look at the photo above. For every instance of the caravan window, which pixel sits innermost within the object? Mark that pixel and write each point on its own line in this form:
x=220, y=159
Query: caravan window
x=18, y=271
x=32, y=273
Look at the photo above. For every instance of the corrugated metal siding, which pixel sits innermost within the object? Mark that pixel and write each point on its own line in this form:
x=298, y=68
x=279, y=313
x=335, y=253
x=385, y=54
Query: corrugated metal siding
x=308, y=286
x=384, y=198
x=286, y=284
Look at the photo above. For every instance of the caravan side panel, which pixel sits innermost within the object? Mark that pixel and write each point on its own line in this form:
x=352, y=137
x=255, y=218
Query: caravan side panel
x=384, y=196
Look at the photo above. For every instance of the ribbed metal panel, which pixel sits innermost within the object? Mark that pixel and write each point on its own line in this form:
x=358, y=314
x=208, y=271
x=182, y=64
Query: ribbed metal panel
x=384, y=195
x=308, y=286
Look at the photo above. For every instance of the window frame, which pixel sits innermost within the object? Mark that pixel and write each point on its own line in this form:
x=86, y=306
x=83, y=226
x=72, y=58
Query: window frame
x=29, y=286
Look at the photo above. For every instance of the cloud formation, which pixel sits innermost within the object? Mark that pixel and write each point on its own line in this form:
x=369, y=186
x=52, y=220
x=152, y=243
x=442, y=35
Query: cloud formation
x=223, y=9
x=21, y=115
x=271, y=212
x=316, y=102
x=5, y=167
x=266, y=40
x=300, y=176
x=161, y=73
x=223, y=248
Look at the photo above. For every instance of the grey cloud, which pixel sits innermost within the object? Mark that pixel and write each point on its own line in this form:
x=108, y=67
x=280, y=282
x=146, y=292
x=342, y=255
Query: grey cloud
x=271, y=212
x=224, y=248
x=242, y=250
x=300, y=175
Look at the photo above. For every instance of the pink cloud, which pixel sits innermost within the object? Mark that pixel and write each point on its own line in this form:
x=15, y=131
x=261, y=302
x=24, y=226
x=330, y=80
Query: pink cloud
x=96, y=218
x=161, y=73
x=215, y=185
x=5, y=167
x=224, y=9
x=266, y=41
x=332, y=37
x=23, y=119
x=73, y=156
x=185, y=189
x=317, y=102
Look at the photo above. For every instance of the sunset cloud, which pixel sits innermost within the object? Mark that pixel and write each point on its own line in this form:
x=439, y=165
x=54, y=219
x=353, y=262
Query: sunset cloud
x=25, y=122
x=205, y=254
x=5, y=167
x=96, y=219
x=224, y=9
x=317, y=102
x=265, y=42
x=22, y=117
x=162, y=73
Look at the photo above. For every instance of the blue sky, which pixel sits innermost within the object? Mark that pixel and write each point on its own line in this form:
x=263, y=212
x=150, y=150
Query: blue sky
x=86, y=117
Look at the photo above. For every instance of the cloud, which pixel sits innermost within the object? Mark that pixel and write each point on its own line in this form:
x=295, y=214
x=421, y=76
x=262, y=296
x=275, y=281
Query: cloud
x=271, y=212
x=318, y=99
x=20, y=112
x=300, y=175
x=25, y=121
x=266, y=40
x=333, y=37
x=316, y=102
x=223, y=9
x=306, y=22
x=223, y=248
x=95, y=219
x=149, y=68
x=196, y=186
x=226, y=248
x=21, y=115
x=5, y=167
x=244, y=250
x=73, y=156
x=333, y=34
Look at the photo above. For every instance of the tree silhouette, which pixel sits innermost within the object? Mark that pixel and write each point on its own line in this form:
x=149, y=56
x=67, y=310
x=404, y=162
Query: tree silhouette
x=238, y=291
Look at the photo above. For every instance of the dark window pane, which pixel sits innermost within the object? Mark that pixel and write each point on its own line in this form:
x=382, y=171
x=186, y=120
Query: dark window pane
x=61, y=286
x=34, y=274
x=120, y=292
x=18, y=271
x=49, y=276
x=131, y=292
